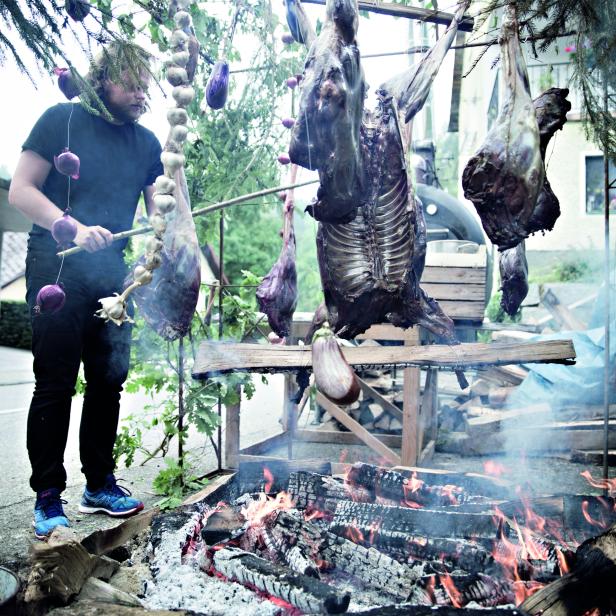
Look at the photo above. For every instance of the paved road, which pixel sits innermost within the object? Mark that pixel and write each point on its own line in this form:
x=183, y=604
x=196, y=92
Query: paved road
x=259, y=419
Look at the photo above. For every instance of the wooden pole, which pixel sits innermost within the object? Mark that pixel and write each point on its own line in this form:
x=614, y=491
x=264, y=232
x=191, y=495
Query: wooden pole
x=221, y=275
x=410, y=410
x=200, y=212
x=410, y=12
x=232, y=432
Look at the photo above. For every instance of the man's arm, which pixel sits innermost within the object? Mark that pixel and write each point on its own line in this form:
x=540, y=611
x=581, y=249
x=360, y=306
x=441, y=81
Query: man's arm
x=26, y=195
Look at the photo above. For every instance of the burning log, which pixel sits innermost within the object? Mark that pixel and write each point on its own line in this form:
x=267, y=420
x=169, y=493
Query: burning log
x=301, y=591
x=589, y=588
x=396, y=525
x=372, y=567
x=313, y=491
x=411, y=491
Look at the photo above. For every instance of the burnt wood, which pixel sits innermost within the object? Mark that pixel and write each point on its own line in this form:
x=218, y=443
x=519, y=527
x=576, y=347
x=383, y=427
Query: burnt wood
x=306, y=593
x=318, y=492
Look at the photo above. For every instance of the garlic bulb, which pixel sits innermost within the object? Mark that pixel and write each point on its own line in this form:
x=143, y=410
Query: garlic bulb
x=153, y=260
x=183, y=95
x=172, y=161
x=182, y=19
x=180, y=58
x=176, y=76
x=159, y=224
x=164, y=185
x=164, y=203
x=142, y=275
x=178, y=133
x=176, y=116
x=179, y=38
x=114, y=309
x=154, y=244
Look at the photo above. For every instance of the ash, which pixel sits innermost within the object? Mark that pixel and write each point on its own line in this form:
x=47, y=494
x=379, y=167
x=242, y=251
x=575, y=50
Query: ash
x=183, y=585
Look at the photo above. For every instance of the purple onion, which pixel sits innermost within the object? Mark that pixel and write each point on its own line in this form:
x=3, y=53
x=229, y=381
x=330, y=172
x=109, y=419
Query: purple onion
x=287, y=38
x=50, y=299
x=77, y=9
x=284, y=159
x=288, y=122
x=64, y=229
x=67, y=83
x=67, y=163
x=218, y=85
x=292, y=82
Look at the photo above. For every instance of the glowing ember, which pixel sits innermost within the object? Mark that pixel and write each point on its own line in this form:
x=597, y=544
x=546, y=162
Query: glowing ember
x=603, y=484
x=455, y=595
x=496, y=469
x=354, y=534
x=269, y=480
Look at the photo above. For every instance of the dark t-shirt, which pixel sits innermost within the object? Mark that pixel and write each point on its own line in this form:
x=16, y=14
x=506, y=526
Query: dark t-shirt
x=116, y=163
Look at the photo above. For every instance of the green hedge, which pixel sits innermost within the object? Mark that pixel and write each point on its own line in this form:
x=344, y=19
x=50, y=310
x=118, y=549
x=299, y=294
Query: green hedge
x=15, y=329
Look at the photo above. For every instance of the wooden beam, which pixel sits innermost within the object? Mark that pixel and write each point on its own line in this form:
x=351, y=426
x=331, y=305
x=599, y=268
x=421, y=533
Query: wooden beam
x=410, y=12
x=453, y=275
x=348, y=422
x=565, y=318
x=262, y=447
x=232, y=431
x=336, y=437
x=390, y=407
x=215, y=357
x=410, y=418
x=213, y=485
x=458, y=292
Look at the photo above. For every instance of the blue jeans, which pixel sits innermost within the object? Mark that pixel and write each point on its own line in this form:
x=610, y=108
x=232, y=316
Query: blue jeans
x=60, y=342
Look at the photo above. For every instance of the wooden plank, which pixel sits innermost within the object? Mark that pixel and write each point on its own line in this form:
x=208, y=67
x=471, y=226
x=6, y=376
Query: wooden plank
x=348, y=422
x=456, y=259
x=492, y=421
x=457, y=292
x=410, y=410
x=214, y=357
x=262, y=447
x=472, y=311
x=453, y=275
x=390, y=407
x=427, y=453
x=336, y=437
x=213, y=485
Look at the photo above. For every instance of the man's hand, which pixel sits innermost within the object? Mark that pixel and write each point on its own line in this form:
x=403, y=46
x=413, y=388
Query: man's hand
x=93, y=238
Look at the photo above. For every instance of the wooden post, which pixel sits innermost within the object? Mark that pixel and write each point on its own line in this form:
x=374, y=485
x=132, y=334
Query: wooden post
x=410, y=409
x=289, y=416
x=232, y=433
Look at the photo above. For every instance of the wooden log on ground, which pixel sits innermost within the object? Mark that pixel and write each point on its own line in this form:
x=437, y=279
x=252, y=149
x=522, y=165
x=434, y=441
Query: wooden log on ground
x=96, y=590
x=492, y=421
x=314, y=491
x=304, y=592
x=219, y=357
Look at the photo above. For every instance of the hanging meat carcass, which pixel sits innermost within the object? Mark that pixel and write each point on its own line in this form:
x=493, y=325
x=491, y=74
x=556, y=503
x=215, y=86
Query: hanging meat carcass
x=514, y=277
x=504, y=178
x=372, y=236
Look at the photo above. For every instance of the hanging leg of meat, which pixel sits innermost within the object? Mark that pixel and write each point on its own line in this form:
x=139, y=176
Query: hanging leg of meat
x=551, y=109
x=169, y=301
x=277, y=293
x=326, y=133
x=504, y=178
x=514, y=277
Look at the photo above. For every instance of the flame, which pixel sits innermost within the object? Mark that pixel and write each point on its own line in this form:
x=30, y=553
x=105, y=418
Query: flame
x=599, y=523
x=374, y=529
x=603, y=484
x=562, y=562
x=410, y=486
x=258, y=510
x=315, y=514
x=354, y=534
x=495, y=469
x=269, y=480
x=455, y=596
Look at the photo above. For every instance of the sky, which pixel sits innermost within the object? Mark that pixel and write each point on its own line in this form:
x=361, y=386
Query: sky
x=23, y=102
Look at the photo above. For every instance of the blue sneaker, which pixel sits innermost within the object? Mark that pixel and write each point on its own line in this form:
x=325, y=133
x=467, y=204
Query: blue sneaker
x=111, y=499
x=48, y=513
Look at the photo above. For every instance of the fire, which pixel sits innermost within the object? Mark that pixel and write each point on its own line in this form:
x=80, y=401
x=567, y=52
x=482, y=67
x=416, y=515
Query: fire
x=315, y=514
x=411, y=486
x=354, y=534
x=455, y=596
x=258, y=510
x=603, y=484
x=269, y=480
x=562, y=562
x=599, y=523
x=495, y=469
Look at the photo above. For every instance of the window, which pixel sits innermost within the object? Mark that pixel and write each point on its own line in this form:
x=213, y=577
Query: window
x=594, y=185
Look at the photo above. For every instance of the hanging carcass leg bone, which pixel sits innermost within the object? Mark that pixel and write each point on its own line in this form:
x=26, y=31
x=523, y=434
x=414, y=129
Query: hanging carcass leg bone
x=371, y=240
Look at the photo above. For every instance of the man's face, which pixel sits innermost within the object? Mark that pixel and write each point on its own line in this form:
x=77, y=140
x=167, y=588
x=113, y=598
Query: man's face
x=126, y=100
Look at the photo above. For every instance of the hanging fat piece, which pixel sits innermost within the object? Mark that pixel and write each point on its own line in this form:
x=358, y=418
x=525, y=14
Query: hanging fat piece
x=504, y=178
x=169, y=301
x=277, y=293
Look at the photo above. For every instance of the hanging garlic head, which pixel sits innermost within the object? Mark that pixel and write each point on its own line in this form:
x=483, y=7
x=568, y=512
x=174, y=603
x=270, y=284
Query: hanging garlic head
x=159, y=224
x=164, y=185
x=164, y=203
x=113, y=309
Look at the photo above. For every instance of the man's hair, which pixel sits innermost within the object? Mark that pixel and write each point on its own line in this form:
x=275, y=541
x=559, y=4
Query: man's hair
x=114, y=60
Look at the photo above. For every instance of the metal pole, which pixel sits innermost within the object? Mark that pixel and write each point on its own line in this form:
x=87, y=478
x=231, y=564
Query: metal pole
x=181, y=406
x=221, y=275
x=606, y=220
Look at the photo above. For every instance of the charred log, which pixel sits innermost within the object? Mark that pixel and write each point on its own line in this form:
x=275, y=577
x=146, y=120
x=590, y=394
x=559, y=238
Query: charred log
x=306, y=593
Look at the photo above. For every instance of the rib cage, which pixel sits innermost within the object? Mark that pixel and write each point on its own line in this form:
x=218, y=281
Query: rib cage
x=375, y=249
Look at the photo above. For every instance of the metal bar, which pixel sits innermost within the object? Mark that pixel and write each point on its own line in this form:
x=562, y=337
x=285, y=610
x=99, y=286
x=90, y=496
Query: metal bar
x=221, y=274
x=410, y=12
x=606, y=219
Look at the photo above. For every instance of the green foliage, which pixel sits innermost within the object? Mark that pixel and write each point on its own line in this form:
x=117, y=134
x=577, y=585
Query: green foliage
x=15, y=328
x=571, y=269
x=568, y=271
x=496, y=314
x=175, y=482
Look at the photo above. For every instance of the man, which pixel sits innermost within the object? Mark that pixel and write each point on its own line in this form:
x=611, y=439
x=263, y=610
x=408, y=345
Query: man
x=119, y=160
